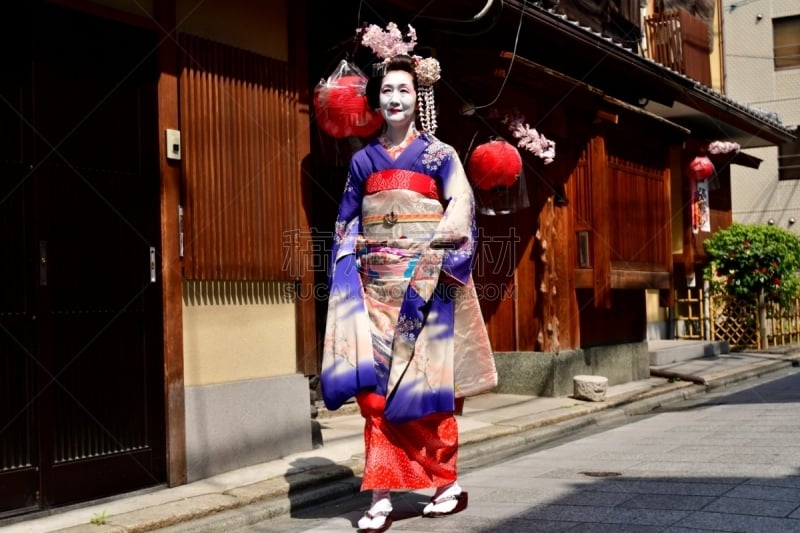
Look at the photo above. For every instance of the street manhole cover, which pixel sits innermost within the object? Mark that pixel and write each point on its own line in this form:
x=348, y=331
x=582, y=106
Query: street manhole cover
x=601, y=474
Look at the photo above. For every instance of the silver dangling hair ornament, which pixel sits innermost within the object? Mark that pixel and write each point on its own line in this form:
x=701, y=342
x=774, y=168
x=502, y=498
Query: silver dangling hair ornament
x=428, y=72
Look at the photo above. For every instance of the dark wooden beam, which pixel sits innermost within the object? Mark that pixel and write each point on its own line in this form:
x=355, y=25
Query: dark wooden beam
x=307, y=352
x=171, y=271
x=601, y=238
x=639, y=279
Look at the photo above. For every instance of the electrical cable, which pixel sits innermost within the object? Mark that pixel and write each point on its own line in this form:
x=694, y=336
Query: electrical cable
x=511, y=63
x=482, y=13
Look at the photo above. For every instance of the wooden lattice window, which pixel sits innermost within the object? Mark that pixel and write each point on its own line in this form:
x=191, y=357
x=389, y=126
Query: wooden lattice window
x=240, y=167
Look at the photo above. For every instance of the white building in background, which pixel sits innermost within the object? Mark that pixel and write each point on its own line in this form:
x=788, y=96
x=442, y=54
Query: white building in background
x=762, y=68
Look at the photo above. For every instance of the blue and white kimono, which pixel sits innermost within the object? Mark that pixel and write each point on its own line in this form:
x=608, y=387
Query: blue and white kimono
x=403, y=316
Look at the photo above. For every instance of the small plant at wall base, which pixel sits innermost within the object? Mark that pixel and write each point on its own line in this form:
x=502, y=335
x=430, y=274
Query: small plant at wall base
x=754, y=262
x=99, y=519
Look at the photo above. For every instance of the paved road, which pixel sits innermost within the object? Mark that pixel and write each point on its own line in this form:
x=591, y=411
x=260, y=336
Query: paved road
x=729, y=461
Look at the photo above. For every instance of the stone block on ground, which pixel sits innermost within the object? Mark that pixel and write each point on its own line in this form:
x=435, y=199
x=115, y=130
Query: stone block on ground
x=591, y=388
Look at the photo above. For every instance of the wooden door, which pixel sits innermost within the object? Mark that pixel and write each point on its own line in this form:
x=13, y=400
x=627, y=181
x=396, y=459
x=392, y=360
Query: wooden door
x=81, y=330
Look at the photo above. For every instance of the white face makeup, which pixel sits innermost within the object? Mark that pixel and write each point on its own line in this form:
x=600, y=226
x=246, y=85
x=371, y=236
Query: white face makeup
x=398, y=99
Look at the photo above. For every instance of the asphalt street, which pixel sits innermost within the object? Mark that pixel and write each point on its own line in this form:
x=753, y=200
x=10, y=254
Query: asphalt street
x=729, y=461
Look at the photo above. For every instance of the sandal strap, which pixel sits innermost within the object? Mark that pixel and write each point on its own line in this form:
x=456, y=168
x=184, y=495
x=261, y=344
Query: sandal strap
x=377, y=514
x=449, y=498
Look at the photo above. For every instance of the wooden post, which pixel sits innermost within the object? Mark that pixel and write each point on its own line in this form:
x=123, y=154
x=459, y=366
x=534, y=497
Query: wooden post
x=308, y=353
x=601, y=260
x=707, y=310
x=172, y=276
x=763, y=343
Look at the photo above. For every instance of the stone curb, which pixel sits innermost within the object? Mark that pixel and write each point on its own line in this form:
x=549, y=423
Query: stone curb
x=732, y=376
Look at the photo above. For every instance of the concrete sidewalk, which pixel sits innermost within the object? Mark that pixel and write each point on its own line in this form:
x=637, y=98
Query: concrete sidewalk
x=492, y=426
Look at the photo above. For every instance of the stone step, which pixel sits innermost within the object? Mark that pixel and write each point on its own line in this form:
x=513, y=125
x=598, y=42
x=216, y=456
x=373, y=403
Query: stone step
x=673, y=351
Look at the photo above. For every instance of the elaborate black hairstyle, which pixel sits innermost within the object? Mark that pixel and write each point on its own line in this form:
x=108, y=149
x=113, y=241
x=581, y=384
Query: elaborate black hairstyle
x=399, y=62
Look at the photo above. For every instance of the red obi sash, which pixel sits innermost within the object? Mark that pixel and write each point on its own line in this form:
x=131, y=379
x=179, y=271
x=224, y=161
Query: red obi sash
x=385, y=180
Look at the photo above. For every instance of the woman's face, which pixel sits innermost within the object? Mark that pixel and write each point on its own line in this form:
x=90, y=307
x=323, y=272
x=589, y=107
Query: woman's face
x=398, y=99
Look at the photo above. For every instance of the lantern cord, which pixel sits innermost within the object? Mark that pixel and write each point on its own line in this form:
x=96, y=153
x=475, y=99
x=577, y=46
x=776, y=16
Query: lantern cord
x=471, y=144
x=511, y=63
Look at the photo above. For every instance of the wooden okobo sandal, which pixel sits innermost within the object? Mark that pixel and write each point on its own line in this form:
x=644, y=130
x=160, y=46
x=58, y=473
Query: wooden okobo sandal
x=375, y=525
x=434, y=508
x=377, y=518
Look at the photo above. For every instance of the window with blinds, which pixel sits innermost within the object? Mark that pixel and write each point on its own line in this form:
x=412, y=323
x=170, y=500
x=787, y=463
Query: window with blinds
x=789, y=161
x=786, y=41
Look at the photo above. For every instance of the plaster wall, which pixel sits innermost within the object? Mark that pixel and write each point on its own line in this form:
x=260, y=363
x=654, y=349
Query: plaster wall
x=237, y=331
x=260, y=27
x=245, y=401
x=233, y=425
x=758, y=196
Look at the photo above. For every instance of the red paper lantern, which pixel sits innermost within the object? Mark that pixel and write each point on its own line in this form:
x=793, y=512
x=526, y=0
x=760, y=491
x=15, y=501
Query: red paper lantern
x=342, y=109
x=701, y=168
x=496, y=163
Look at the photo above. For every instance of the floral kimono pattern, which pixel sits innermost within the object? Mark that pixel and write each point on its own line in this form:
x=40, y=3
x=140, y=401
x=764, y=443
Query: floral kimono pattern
x=403, y=317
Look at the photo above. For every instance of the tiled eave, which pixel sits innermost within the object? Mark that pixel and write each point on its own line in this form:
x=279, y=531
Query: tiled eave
x=707, y=113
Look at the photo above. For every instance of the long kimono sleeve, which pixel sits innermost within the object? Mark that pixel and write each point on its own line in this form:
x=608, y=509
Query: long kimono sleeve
x=457, y=233
x=347, y=363
x=474, y=366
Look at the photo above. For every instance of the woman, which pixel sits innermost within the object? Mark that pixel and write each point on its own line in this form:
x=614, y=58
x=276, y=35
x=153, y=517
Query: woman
x=402, y=302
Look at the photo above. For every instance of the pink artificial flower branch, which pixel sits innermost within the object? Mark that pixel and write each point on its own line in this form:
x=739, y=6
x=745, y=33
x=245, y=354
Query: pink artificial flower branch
x=390, y=42
x=722, y=147
x=530, y=139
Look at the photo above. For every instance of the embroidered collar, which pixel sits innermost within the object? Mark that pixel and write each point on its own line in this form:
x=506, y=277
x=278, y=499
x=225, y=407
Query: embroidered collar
x=395, y=150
